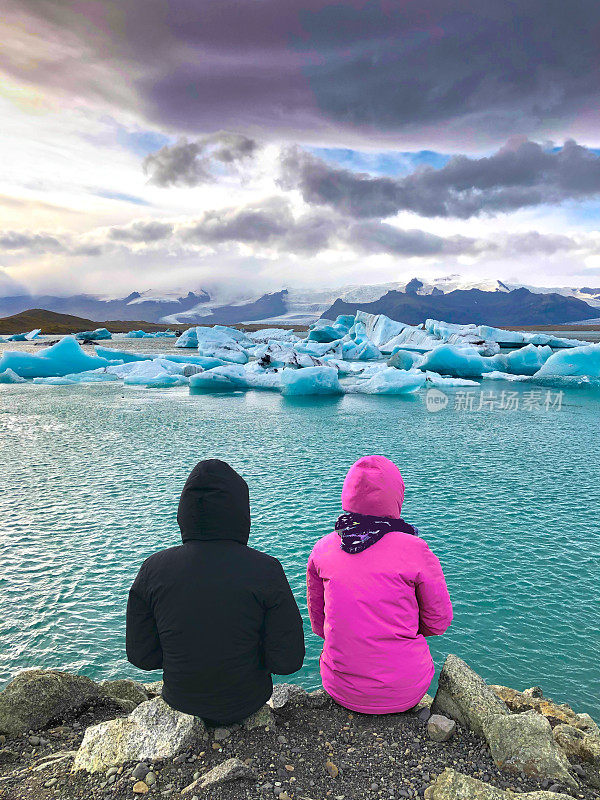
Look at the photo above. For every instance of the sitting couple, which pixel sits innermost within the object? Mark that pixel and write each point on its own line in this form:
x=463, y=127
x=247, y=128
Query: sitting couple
x=219, y=618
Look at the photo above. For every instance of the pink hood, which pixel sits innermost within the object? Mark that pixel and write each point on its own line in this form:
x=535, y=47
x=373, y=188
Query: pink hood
x=375, y=608
x=373, y=486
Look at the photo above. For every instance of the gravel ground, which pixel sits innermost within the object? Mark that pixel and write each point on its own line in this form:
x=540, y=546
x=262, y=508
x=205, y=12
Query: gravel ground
x=312, y=754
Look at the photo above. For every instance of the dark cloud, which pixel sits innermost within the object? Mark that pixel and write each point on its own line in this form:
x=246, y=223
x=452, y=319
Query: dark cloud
x=38, y=243
x=201, y=161
x=141, y=231
x=466, y=74
x=379, y=237
x=519, y=175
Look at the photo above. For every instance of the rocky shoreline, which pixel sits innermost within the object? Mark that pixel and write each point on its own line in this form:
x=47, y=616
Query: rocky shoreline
x=64, y=736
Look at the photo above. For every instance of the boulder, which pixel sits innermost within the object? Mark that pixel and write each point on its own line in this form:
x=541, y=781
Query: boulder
x=263, y=718
x=127, y=692
x=153, y=731
x=524, y=743
x=439, y=728
x=286, y=695
x=555, y=713
x=36, y=697
x=463, y=695
x=452, y=785
x=580, y=747
x=231, y=770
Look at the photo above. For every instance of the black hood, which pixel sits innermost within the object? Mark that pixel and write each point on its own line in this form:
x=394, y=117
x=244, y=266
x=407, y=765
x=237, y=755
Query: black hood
x=214, y=504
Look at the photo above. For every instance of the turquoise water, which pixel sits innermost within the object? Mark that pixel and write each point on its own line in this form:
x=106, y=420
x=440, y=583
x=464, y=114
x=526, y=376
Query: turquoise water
x=91, y=477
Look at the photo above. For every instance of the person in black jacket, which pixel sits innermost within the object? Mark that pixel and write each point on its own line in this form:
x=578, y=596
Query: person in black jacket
x=217, y=616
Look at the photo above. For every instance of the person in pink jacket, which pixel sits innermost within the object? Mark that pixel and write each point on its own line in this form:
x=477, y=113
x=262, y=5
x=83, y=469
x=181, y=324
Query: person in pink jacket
x=375, y=591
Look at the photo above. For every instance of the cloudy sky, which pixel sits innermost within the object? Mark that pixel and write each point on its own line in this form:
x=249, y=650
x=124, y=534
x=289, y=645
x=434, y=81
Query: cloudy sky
x=257, y=144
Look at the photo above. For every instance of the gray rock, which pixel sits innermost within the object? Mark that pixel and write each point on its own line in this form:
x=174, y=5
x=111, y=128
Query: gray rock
x=139, y=773
x=231, y=770
x=7, y=755
x=153, y=731
x=150, y=779
x=577, y=744
x=318, y=699
x=464, y=696
x=220, y=734
x=192, y=369
x=132, y=692
x=263, y=718
x=440, y=729
x=586, y=723
x=452, y=785
x=287, y=695
x=524, y=743
x=154, y=689
x=35, y=697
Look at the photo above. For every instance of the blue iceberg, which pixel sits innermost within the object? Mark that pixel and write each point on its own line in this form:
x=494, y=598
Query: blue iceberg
x=99, y=333
x=310, y=381
x=459, y=362
x=188, y=339
x=60, y=359
x=9, y=376
x=389, y=380
x=578, y=361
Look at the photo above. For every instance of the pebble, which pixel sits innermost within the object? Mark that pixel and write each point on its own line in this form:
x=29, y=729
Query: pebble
x=111, y=771
x=140, y=788
x=140, y=771
x=34, y=740
x=150, y=779
x=331, y=769
x=51, y=782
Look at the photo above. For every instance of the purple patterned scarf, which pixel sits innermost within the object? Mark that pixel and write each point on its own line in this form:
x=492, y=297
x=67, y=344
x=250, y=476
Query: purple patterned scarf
x=359, y=531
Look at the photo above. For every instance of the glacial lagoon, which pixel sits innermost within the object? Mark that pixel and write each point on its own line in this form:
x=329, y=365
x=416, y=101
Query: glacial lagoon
x=506, y=493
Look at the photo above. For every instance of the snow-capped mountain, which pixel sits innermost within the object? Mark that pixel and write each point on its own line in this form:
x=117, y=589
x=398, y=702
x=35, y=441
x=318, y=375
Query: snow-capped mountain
x=449, y=297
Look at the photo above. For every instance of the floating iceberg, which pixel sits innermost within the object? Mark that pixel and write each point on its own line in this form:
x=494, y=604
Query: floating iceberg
x=90, y=376
x=235, y=377
x=462, y=334
x=460, y=362
x=379, y=328
x=188, y=339
x=411, y=338
x=579, y=361
x=99, y=333
x=320, y=349
x=9, y=376
x=525, y=337
x=310, y=381
x=223, y=342
x=404, y=359
x=498, y=375
x=23, y=337
x=525, y=360
x=273, y=334
x=443, y=380
x=125, y=356
x=356, y=345
x=324, y=331
x=281, y=354
x=156, y=374
x=389, y=380
x=59, y=359
x=139, y=335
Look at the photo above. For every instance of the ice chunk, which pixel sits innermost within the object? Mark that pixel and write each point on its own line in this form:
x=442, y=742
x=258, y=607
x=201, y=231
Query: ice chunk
x=389, y=380
x=526, y=360
x=223, y=342
x=156, y=374
x=310, y=381
x=145, y=335
x=526, y=337
x=59, y=359
x=461, y=334
x=112, y=354
x=33, y=334
x=579, y=361
x=460, y=362
x=412, y=338
x=404, y=359
x=498, y=375
x=319, y=349
x=280, y=354
x=324, y=333
x=273, y=334
x=235, y=377
x=24, y=337
x=379, y=328
x=188, y=339
x=56, y=381
x=99, y=333
x=9, y=376
x=356, y=345
x=442, y=380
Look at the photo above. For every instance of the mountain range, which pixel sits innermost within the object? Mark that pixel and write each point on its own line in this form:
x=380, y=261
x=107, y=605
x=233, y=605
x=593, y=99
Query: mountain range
x=449, y=298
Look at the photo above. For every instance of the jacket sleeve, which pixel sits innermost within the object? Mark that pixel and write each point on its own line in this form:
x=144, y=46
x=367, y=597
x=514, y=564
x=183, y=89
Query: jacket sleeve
x=142, y=639
x=283, y=634
x=435, y=608
x=316, y=598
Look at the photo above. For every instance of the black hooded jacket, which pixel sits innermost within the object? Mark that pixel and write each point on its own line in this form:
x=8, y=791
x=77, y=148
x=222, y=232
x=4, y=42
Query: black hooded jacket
x=217, y=616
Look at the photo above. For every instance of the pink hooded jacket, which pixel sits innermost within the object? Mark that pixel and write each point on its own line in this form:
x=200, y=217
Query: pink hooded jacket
x=375, y=608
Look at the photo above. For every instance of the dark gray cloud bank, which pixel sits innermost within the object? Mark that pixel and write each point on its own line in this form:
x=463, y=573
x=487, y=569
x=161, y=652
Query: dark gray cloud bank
x=466, y=75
